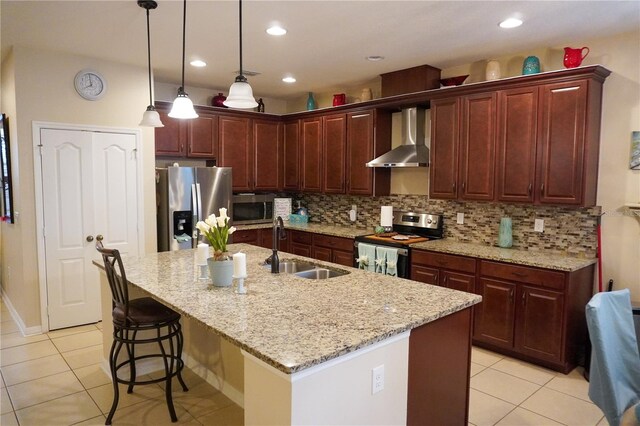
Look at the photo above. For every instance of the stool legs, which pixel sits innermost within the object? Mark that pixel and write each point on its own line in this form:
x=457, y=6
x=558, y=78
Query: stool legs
x=113, y=357
x=132, y=364
x=180, y=345
x=168, y=368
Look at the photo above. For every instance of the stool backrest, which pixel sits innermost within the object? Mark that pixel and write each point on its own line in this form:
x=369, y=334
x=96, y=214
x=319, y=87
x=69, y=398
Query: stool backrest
x=116, y=276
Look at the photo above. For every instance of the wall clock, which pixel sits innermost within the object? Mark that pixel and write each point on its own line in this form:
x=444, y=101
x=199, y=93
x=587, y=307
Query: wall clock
x=90, y=84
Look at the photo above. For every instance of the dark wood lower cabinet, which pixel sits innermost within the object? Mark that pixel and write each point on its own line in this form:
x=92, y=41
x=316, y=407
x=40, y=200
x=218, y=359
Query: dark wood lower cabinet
x=344, y=258
x=300, y=249
x=495, y=316
x=539, y=327
x=322, y=253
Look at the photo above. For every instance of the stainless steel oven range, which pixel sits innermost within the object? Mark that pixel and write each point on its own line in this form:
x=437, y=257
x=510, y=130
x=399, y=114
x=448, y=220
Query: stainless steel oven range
x=390, y=253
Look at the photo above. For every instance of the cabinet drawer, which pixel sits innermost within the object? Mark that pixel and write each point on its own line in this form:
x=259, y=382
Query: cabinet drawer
x=301, y=237
x=333, y=242
x=541, y=277
x=248, y=236
x=447, y=261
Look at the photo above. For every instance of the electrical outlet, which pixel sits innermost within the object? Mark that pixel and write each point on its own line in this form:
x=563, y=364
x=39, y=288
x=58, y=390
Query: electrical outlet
x=538, y=225
x=377, y=379
x=460, y=218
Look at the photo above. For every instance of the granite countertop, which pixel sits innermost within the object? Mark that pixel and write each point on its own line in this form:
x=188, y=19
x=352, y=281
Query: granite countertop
x=290, y=322
x=538, y=259
x=316, y=228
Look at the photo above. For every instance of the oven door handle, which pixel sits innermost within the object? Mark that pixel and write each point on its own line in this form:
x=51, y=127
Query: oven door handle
x=401, y=251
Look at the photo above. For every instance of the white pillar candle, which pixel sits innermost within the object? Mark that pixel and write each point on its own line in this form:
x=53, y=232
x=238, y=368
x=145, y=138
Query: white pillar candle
x=239, y=265
x=202, y=254
x=386, y=216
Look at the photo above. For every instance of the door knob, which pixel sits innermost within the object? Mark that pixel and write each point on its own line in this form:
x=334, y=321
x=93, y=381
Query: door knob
x=99, y=237
x=89, y=238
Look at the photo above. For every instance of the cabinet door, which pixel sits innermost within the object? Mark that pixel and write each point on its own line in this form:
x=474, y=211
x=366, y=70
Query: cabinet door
x=443, y=172
x=311, y=155
x=478, y=147
x=344, y=258
x=170, y=139
x=495, y=315
x=517, y=129
x=322, y=253
x=300, y=249
x=291, y=153
x=235, y=150
x=267, y=163
x=561, y=142
x=457, y=281
x=247, y=236
x=360, y=151
x=334, y=152
x=202, y=136
x=539, y=325
x=266, y=239
x=425, y=275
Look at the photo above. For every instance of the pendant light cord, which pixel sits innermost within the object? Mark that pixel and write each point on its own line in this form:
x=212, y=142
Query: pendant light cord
x=240, y=26
x=149, y=58
x=184, y=26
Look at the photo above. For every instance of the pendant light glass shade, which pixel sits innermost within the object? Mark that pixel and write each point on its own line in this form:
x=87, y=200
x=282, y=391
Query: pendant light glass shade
x=240, y=95
x=182, y=106
x=151, y=118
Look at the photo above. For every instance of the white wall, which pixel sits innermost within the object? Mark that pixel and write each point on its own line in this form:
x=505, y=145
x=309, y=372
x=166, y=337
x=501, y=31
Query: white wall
x=43, y=91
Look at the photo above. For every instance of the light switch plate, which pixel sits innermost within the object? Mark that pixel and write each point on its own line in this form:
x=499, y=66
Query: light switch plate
x=538, y=225
x=460, y=218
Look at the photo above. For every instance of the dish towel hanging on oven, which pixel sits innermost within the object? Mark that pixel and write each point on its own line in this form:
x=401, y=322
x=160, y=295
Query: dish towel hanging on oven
x=381, y=260
x=391, y=260
x=366, y=257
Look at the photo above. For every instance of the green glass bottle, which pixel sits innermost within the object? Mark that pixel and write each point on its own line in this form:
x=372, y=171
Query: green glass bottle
x=311, y=103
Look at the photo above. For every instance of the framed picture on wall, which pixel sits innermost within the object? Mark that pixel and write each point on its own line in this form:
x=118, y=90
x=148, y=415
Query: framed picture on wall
x=5, y=172
x=634, y=163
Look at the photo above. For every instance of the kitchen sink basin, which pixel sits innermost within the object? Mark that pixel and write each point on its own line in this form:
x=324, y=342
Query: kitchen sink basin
x=320, y=274
x=291, y=267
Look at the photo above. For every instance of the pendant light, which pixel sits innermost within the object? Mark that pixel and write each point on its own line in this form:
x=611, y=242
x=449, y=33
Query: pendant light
x=150, y=118
x=240, y=92
x=182, y=105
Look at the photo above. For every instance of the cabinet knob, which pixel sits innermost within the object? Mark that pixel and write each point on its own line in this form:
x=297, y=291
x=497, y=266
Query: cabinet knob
x=524, y=298
x=463, y=186
x=511, y=295
x=529, y=190
x=542, y=189
x=454, y=187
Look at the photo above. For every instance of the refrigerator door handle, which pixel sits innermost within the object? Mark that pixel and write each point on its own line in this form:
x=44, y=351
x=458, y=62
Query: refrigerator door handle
x=194, y=213
x=199, y=196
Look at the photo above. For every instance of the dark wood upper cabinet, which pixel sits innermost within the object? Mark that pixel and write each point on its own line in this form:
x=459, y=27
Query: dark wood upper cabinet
x=334, y=153
x=267, y=161
x=291, y=156
x=311, y=161
x=202, y=136
x=478, y=147
x=170, y=139
x=517, y=135
x=443, y=173
x=236, y=150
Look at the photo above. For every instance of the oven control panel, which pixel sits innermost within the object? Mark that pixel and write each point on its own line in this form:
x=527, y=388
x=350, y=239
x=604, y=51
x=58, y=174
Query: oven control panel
x=416, y=219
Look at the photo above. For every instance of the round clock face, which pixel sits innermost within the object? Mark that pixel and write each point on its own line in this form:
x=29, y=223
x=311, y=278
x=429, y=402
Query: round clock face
x=91, y=85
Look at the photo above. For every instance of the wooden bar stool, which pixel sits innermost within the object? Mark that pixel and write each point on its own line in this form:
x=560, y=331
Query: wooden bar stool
x=140, y=315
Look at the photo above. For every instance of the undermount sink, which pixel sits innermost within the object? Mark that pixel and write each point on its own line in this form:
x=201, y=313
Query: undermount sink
x=307, y=270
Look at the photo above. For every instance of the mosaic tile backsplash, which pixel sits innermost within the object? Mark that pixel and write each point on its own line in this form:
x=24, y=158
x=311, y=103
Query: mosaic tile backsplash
x=567, y=231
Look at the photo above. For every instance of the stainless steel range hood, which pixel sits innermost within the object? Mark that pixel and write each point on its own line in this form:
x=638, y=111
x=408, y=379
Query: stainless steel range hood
x=413, y=152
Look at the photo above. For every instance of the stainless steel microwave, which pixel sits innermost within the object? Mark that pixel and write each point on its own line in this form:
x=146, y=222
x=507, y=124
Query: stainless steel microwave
x=252, y=208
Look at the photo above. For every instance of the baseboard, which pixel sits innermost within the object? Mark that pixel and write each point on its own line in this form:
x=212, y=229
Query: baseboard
x=26, y=331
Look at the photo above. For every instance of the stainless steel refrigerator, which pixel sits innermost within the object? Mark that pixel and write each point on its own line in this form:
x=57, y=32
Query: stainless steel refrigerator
x=185, y=195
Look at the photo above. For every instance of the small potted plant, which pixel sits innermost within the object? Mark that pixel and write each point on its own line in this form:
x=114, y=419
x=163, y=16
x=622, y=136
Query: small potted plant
x=217, y=231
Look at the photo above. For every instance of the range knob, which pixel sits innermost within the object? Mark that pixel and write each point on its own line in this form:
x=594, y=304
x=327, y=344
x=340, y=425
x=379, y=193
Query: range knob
x=429, y=221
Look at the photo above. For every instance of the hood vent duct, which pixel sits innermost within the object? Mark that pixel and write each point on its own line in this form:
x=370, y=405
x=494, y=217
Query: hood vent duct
x=413, y=152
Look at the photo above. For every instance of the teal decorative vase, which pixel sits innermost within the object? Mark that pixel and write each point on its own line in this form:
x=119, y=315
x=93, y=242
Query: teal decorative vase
x=311, y=103
x=221, y=272
x=531, y=65
x=505, y=238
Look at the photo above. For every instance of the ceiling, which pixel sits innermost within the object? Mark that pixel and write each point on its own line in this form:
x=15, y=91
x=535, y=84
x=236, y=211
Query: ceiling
x=327, y=41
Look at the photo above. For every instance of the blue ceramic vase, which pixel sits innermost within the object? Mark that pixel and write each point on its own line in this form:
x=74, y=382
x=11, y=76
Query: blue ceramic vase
x=311, y=103
x=531, y=65
x=505, y=238
x=221, y=272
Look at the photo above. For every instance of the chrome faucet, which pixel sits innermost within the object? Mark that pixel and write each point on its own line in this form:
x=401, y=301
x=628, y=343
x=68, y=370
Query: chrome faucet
x=278, y=224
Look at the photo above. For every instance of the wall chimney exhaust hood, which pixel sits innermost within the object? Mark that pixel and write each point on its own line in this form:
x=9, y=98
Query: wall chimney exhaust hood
x=413, y=152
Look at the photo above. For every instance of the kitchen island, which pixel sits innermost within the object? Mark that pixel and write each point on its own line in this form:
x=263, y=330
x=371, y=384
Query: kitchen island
x=308, y=347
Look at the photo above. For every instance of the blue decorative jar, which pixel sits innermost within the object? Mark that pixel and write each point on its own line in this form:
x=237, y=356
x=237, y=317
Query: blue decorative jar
x=311, y=103
x=505, y=238
x=531, y=65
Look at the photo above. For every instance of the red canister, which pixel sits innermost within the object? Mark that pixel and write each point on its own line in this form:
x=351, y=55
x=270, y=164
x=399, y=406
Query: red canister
x=339, y=99
x=218, y=100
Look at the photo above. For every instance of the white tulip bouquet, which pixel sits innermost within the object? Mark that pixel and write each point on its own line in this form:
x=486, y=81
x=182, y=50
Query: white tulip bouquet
x=217, y=231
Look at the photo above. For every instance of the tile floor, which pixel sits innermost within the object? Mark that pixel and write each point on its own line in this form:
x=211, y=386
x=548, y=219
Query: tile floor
x=55, y=378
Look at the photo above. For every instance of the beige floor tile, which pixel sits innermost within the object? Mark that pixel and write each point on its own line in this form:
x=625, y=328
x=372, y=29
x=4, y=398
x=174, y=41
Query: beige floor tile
x=522, y=417
x=71, y=330
x=504, y=386
x=92, y=376
x=103, y=396
x=9, y=419
x=62, y=411
x=45, y=389
x=10, y=340
x=484, y=357
x=200, y=399
x=573, y=384
x=96, y=421
x=485, y=409
x=231, y=415
x=190, y=378
x=476, y=368
x=99, y=325
x=83, y=357
x=2, y=385
x=78, y=341
x=603, y=422
x=26, y=352
x=524, y=370
x=562, y=408
x=9, y=326
x=5, y=402
x=154, y=412
x=34, y=369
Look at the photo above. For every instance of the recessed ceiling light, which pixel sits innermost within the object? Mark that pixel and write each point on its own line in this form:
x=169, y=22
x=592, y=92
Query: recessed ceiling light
x=374, y=58
x=198, y=63
x=510, y=23
x=289, y=79
x=276, y=30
